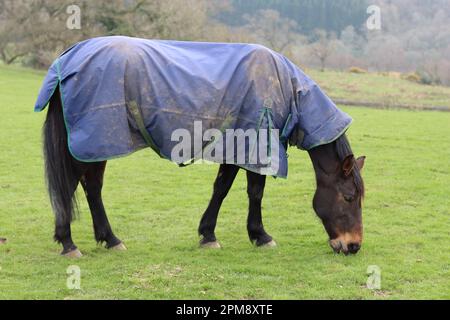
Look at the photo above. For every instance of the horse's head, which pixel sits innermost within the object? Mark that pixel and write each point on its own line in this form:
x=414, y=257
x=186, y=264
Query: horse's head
x=339, y=194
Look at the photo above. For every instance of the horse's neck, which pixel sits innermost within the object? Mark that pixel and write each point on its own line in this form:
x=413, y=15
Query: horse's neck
x=324, y=158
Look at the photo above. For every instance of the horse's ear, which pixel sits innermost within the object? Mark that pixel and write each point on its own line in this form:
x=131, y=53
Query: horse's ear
x=348, y=164
x=360, y=162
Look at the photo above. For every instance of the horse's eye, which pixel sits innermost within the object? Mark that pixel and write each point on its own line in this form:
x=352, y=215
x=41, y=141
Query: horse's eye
x=349, y=198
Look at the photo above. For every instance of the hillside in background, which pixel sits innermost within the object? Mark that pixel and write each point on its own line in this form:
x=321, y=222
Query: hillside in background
x=387, y=90
x=332, y=16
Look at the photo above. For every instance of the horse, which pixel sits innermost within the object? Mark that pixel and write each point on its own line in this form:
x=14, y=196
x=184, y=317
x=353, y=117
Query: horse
x=339, y=185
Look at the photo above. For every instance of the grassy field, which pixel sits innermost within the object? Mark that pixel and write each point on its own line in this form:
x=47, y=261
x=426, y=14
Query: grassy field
x=155, y=208
x=383, y=89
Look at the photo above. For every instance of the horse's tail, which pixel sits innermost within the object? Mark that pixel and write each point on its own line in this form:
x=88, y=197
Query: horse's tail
x=60, y=169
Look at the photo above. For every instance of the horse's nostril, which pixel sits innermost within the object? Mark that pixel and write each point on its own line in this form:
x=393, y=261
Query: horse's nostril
x=353, y=247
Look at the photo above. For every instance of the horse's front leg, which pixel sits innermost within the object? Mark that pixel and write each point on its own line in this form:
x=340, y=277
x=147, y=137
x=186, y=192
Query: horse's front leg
x=92, y=182
x=255, y=191
x=222, y=185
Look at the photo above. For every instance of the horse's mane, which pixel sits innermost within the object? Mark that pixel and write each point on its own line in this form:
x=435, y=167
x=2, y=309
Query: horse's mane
x=344, y=150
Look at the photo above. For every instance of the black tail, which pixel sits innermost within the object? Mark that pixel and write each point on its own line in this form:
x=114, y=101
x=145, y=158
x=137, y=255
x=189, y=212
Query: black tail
x=60, y=166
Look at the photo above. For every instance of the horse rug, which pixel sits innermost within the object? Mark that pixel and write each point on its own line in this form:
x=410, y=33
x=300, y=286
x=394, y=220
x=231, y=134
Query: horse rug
x=189, y=102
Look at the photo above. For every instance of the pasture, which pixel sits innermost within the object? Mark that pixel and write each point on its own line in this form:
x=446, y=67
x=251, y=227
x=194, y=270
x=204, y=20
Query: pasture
x=155, y=207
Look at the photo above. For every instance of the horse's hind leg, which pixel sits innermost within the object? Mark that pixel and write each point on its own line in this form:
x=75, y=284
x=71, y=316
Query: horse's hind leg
x=63, y=234
x=222, y=185
x=92, y=182
x=255, y=191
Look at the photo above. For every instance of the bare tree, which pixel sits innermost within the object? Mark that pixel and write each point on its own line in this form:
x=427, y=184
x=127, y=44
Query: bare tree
x=35, y=31
x=268, y=27
x=323, y=47
x=13, y=14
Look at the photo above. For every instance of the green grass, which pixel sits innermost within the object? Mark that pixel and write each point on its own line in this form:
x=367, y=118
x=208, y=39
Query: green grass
x=381, y=89
x=155, y=208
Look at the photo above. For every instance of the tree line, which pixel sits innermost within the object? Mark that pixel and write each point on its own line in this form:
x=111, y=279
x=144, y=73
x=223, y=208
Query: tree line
x=331, y=16
x=414, y=35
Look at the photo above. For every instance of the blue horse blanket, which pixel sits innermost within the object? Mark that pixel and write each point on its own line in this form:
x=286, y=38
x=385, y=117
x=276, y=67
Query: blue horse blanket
x=185, y=99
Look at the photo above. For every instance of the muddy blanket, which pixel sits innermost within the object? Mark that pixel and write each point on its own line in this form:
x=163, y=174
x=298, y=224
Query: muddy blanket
x=189, y=101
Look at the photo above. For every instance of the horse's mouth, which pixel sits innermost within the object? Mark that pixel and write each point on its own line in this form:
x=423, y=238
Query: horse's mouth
x=339, y=246
x=3, y=240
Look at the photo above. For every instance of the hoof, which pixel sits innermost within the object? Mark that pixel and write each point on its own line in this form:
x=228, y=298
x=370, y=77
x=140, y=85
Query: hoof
x=3, y=240
x=119, y=247
x=73, y=254
x=270, y=244
x=212, y=245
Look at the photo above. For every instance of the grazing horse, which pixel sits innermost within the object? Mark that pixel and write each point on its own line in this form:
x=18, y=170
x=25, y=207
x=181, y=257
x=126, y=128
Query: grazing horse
x=111, y=96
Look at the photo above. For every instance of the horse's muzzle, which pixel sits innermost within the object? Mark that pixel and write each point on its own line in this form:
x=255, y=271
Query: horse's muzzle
x=340, y=246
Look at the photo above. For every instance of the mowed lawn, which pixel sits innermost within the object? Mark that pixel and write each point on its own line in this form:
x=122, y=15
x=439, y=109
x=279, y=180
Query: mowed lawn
x=155, y=207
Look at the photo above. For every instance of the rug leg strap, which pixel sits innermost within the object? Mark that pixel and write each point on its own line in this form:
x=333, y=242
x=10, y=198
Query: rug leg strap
x=136, y=113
